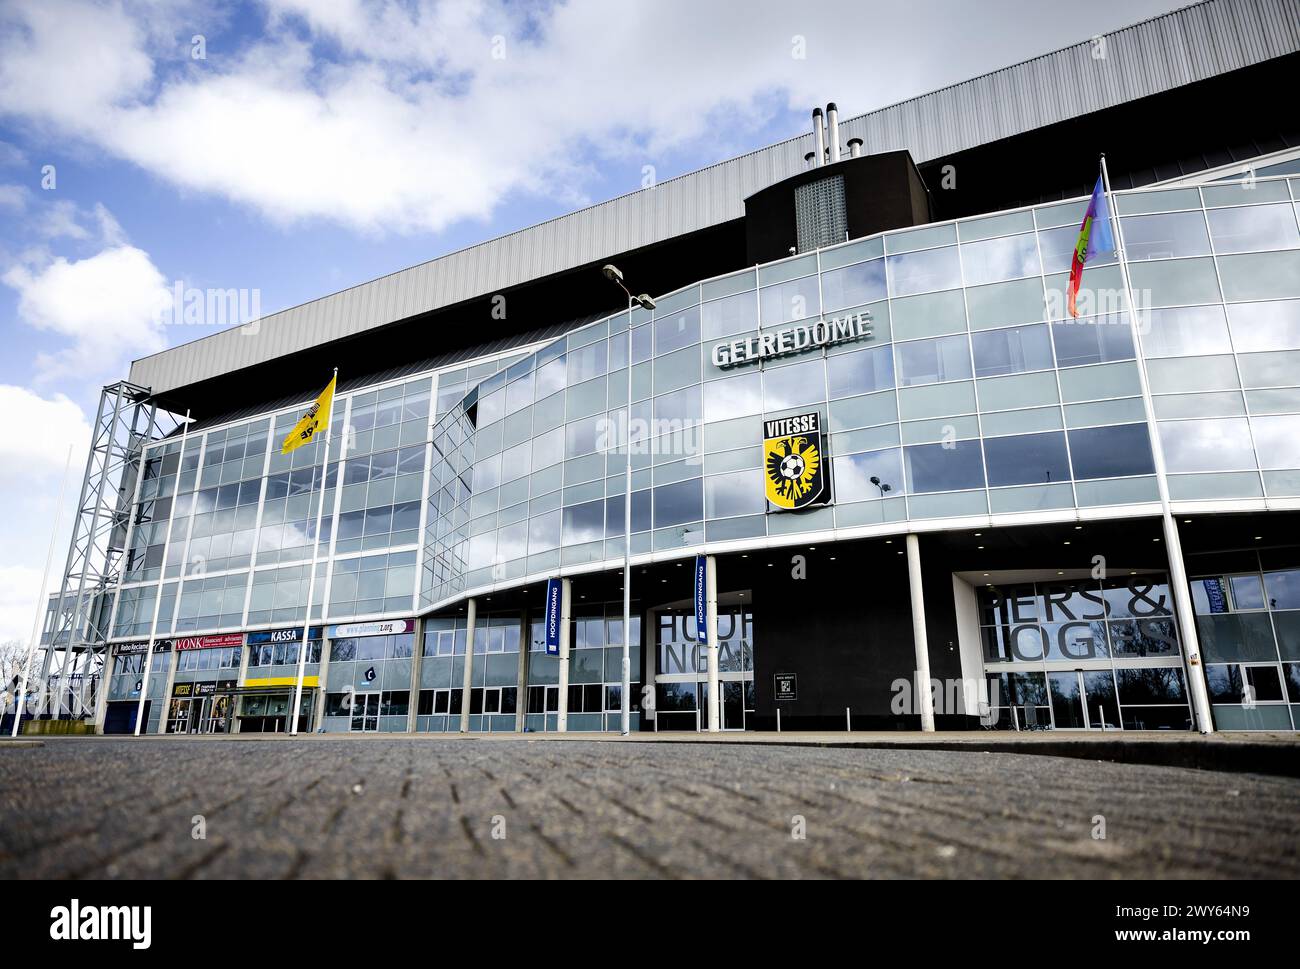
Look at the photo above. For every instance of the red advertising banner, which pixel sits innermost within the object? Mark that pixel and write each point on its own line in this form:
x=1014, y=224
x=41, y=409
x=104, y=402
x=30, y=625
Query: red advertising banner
x=209, y=642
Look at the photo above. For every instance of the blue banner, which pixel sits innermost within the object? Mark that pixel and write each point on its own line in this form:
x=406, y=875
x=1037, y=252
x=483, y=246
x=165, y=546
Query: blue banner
x=1214, y=595
x=554, y=591
x=288, y=635
x=701, y=600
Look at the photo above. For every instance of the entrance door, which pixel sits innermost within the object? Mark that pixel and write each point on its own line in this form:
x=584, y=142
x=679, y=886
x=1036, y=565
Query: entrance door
x=365, y=712
x=1084, y=700
x=733, y=704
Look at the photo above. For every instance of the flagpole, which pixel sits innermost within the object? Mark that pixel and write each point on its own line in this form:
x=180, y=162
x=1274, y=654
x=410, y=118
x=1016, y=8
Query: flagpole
x=1173, y=546
x=162, y=577
x=311, y=578
x=41, y=607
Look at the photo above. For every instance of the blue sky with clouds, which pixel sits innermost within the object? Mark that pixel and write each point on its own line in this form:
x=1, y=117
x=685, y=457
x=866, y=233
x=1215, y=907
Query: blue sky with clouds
x=320, y=143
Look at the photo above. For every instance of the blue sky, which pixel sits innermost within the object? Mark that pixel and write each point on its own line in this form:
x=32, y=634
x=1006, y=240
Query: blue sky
x=316, y=144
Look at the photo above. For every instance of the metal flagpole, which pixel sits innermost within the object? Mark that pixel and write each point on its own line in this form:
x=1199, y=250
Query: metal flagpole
x=162, y=577
x=1173, y=546
x=311, y=578
x=625, y=705
x=40, y=602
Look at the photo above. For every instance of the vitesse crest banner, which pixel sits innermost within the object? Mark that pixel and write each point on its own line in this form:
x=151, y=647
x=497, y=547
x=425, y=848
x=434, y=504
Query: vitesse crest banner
x=793, y=463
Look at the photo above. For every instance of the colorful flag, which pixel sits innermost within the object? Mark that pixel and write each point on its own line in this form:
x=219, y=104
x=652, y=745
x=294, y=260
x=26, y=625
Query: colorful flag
x=317, y=418
x=1095, y=236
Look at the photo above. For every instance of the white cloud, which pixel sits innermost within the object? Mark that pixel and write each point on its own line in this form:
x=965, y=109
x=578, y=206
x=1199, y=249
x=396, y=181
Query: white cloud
x=11, y=156
x=35, y=438
x=391, y=115
x=106, y=305
x=19, y=588
x=36, y=433
x=13, y=198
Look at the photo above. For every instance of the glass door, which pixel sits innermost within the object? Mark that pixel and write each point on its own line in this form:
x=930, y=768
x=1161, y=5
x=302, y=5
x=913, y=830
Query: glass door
x=365, y=712
x=1100, y=707
x=1084, y=700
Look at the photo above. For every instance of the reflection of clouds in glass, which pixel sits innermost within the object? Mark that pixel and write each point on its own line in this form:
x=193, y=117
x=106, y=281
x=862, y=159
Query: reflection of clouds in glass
x=853, y=474
x=1277, y=439
x=733, y=397
x=996, y=259
x=1207, y=445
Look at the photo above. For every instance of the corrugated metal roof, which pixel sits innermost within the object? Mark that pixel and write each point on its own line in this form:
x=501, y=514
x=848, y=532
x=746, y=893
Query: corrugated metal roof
x=1191, y=44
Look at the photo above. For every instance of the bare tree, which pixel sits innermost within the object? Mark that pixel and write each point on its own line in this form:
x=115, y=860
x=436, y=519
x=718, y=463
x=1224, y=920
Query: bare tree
x=13, y=654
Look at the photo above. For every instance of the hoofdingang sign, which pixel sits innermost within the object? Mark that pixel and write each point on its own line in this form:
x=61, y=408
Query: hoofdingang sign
x=793, y=339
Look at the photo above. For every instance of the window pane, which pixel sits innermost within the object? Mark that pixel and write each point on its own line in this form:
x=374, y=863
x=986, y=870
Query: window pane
x=584, y=523
x=1027, y=459
x=1254, y=227
x=795, y=300
x=1013, y=350
x=1111, y=452
x=680, y=406
x=725, y=317
x=939, y=467
x=1097, y=340
x=734, y=397
x=1207, y=445
x=853, y=285
x=678, y=503
x=924, y=272
x=1165, y=236
x=1277, y=439
x=727, y=495
x=1283, y=589
x=996, y=259
x=544, y=532
x=1265, y=326
x=863, y=372
x=853, y=474
x=931, y=361
x=803, y=383
x=1185, y=331
x=586, y=362
x=677, y=331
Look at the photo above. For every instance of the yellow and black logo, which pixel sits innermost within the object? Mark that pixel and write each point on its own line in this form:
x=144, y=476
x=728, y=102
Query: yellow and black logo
x=792, y=458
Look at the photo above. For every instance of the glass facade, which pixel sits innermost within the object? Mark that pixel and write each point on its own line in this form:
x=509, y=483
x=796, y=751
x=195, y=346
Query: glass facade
x=1084, y=654
x=975, y=395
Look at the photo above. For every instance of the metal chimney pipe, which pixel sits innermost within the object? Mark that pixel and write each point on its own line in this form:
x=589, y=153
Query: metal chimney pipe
x=819, y=139
x=833, y=123
x=855, y=147
x=808, y=160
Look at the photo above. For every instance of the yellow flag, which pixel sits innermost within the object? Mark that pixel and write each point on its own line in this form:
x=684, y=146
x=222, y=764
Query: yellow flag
x=315, y=420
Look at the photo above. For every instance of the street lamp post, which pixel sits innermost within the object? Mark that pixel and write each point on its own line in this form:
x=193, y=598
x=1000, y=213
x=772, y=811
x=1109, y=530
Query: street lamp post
x=613, y=274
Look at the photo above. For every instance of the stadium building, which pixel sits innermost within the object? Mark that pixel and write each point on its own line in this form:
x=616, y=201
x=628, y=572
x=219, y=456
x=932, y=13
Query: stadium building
x=915, y=490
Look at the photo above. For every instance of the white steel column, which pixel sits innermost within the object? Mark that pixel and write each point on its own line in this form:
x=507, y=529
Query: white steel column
x=417, y=661
x=162, y=581
x=1173, y=546
x=521, y=704
x=562, y=716
x=924, y=696
x=711, y=627
x=471, y=617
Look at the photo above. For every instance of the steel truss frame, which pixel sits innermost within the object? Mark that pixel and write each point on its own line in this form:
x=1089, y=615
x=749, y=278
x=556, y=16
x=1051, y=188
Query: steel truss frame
x=75, y=641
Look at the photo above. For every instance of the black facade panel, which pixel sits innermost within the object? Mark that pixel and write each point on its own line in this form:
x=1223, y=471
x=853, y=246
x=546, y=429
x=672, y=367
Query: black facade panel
x=883, y=191
x=846, y=632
